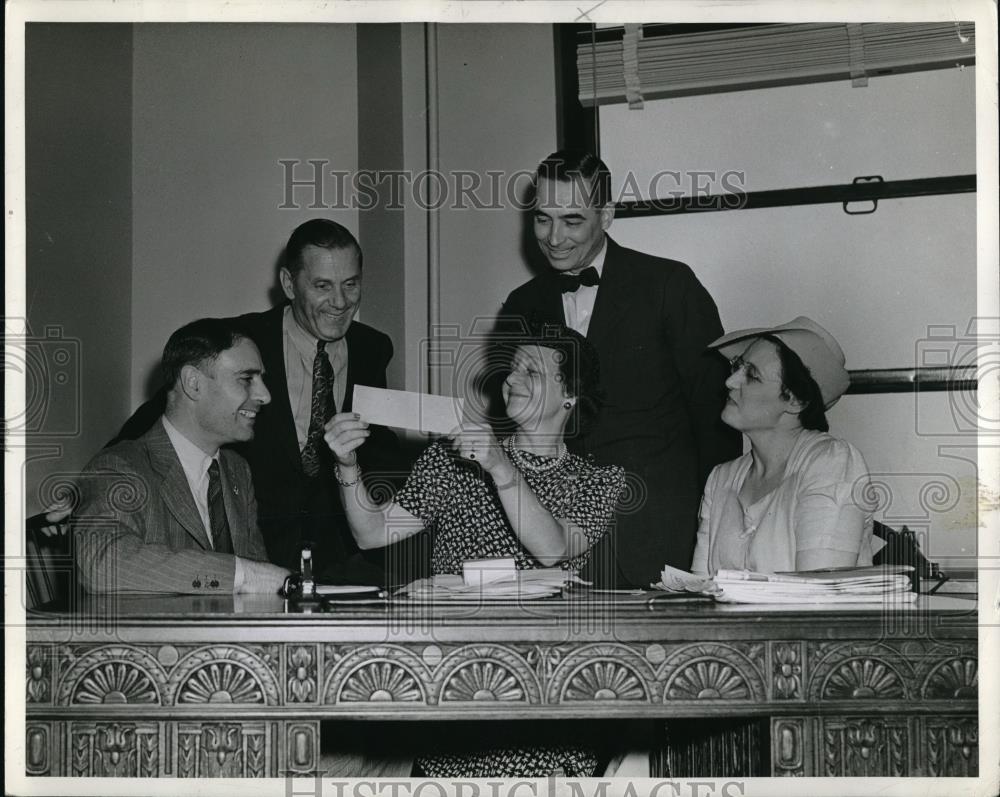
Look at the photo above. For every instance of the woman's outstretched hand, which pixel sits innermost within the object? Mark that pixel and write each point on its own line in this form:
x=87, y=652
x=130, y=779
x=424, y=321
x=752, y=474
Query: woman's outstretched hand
x=345, y=432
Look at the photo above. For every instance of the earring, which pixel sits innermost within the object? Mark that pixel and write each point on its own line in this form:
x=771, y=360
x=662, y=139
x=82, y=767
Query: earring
x=568, y=405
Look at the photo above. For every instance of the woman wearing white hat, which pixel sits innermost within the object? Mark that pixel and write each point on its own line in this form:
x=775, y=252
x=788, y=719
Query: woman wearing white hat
x=795, y=501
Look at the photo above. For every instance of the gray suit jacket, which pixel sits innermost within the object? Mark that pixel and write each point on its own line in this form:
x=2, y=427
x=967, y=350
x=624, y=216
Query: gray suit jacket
x=137, y=528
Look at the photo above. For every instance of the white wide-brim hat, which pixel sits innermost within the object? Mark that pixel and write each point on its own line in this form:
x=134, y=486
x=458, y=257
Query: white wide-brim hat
x=816, y=347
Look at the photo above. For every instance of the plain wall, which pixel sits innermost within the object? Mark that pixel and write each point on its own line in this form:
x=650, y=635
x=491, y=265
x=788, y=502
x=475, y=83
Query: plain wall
x=497, y=113
x=215, y=110
x=880, y=282
x=380, y=150
x=78, y=122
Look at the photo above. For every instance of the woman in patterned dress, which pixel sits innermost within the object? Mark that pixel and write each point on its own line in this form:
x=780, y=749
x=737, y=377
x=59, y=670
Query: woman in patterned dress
x=524, y=496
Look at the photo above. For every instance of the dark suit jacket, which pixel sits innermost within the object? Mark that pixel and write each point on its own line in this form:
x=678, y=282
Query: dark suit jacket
x=651, y=324
x=137, y=528
x=293, y=507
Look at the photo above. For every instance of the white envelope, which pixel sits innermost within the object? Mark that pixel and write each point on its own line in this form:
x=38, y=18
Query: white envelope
x=407, y=410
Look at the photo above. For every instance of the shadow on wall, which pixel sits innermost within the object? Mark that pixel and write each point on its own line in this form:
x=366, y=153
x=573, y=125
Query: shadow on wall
x=275, y=296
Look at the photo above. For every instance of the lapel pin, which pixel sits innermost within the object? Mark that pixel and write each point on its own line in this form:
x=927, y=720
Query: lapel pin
x=236, y=490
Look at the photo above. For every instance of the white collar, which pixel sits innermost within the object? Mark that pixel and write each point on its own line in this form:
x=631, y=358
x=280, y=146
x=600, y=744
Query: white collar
x=194, y=461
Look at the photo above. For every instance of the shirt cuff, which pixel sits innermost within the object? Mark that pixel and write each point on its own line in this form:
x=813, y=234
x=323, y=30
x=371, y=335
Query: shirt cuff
x=239, y=576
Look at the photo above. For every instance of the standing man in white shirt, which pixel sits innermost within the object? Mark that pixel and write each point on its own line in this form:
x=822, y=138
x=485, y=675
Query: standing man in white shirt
x=173, y=511
x=650, y=320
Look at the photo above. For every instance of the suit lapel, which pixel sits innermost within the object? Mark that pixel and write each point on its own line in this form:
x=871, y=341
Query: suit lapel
x=271, y=342
x=238, y=520
x=613, y=297
x=173, y=486
x=354, y=366
x=550, y=303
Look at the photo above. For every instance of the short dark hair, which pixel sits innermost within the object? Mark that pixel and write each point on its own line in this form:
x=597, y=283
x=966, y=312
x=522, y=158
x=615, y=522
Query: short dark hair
x=579, y=368
x=324, y=233
x=195, y=343
x=567, y=165
x=798, y=382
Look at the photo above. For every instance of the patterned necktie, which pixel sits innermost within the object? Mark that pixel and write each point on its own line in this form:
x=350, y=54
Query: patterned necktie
x=570, y=283
x=322, y=410
x=217, y=511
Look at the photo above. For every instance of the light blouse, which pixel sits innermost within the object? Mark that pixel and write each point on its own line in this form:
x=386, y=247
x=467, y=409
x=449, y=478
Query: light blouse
x=820, y=504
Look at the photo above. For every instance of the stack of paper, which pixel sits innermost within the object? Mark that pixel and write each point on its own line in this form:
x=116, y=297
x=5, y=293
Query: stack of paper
x=525, y=585
x=837, y=585
x=674, y=580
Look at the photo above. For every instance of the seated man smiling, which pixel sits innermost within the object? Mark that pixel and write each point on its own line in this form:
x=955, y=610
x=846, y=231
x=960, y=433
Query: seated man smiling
x=173, y=511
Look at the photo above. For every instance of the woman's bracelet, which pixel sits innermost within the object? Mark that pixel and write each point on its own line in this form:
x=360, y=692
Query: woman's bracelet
x=340, y=479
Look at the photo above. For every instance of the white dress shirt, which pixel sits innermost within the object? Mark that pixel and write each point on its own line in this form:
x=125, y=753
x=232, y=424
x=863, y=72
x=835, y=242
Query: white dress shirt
x=300, y=351
x=578, y=305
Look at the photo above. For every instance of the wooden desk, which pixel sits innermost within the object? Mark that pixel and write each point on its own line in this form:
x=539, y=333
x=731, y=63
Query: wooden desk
x=186, y=686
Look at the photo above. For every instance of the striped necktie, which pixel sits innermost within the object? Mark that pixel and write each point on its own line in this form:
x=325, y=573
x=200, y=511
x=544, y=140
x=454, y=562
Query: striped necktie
x=217, y=519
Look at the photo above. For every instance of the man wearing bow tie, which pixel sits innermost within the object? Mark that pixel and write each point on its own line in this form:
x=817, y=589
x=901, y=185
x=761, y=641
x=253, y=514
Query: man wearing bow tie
x=650, y=320
x=173, y=511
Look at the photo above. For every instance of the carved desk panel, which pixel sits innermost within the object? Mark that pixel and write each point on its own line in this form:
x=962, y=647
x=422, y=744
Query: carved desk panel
x=214, y=687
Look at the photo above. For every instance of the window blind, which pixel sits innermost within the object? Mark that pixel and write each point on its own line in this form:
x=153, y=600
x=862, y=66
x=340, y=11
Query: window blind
x=759, y=56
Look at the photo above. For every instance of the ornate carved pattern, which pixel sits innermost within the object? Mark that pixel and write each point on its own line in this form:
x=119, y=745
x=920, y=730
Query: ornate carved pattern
x=115, y=683
x=544, y=661
x=951, y=747
x=601, y=672
x=113, y=749
x=301, y=674
x=863, y=679
x=483, y=680
x=149, y=755
x=222, y=750
x=382, y=673
x=713, y=672
x=187, y=755
x=955, y=679
x=486, y=673
x=112, y=675
x=605, y=680
x=788, y=755
x=302, y=746
x=868, y=747
x=787, y=670
x=38, y=685
x=223, y=674
x=36, y=748
x=379, y=682
x=256, y=756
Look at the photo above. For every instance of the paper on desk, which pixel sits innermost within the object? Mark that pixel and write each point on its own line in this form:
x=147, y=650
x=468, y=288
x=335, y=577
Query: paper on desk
x=407, y=410
x=674, y=580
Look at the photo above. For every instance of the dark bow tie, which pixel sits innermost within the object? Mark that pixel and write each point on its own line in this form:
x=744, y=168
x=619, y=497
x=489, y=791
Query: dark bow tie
x=569, y=283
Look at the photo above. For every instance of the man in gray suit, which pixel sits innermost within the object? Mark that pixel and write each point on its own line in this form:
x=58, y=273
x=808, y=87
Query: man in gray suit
x=173, y=511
